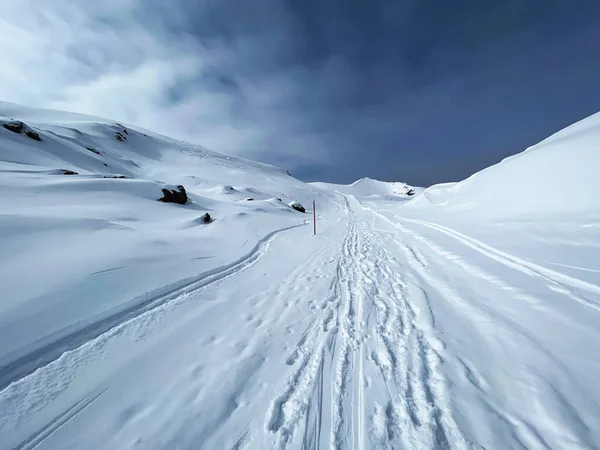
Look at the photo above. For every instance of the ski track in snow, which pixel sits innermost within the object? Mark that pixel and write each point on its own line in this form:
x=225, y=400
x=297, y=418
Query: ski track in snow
x=30, y=362
x=522, y=428
x=366, y=373
x=377, y=327
x=556, y=281
x=408, y=338
x=56, y=364
x=37, y=438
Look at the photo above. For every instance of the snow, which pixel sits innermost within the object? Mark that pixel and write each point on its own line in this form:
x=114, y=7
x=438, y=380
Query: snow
x=465, y=316
x=87, y=246
x=374, y=189
x=558, y=176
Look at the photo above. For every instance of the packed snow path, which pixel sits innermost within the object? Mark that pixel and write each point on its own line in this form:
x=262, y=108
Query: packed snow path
x=383, y=332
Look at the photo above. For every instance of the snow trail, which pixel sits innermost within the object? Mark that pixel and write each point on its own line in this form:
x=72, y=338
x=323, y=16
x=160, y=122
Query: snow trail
x=381, y=343
x=472, y=292
x=388, y=358
x=36, y=359
x=555, y=280
x=418, y=414
x=62, y=419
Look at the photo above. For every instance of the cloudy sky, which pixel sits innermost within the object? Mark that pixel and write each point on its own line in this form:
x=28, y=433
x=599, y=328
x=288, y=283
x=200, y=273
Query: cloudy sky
x=422, y=91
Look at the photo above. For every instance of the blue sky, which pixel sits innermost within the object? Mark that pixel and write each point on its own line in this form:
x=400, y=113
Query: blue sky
x=422, y=91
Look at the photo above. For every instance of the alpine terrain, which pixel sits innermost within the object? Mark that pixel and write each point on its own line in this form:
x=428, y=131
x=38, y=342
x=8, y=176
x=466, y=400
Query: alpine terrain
x=460, y=316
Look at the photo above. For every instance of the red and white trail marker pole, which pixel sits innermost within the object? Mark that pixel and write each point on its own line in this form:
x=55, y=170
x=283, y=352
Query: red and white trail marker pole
x=315, y=216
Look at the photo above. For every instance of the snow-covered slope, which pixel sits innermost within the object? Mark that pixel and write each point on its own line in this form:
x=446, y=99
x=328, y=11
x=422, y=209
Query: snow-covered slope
x=84, y=246
x=557, y=176
x=367, y=187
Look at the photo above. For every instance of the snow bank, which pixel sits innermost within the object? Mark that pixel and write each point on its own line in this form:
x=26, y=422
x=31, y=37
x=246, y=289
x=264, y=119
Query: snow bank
x=557, y=176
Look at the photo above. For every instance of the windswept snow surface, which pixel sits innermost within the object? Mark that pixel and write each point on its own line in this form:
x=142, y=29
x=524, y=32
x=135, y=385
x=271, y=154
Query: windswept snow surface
x=449, y=321
x=373, y=189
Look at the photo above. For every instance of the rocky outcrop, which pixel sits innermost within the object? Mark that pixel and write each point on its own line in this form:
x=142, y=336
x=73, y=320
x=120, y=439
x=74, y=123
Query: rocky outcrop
x=33, y=135
x=64, y=172
x=16, y=126
x=297, y=206
x=178, y=196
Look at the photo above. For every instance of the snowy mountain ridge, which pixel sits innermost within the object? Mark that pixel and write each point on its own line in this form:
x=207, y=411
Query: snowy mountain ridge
x=69, y=134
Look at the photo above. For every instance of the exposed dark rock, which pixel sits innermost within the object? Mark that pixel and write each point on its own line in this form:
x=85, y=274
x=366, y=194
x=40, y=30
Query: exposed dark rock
x=105, y=165
x=205, y=218
x=298, y=207
x=178, y=196
x=120, y=137
x=410, y=192
x=16, y=126
x=93, y=150
x=67, y=172
x=33, y=135
x=249, y=199
x=115, y=176
x=122, y=127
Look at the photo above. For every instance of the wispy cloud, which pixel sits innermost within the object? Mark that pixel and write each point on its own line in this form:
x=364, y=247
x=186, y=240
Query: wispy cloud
x=106, y=58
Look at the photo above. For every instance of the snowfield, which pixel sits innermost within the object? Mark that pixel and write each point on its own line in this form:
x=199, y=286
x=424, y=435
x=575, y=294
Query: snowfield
x=465, y=316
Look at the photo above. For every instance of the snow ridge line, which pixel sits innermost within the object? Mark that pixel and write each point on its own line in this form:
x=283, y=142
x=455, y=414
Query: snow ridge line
x=30, y=362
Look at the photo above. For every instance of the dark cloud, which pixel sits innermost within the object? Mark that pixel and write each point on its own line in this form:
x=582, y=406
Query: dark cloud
x=418, y=90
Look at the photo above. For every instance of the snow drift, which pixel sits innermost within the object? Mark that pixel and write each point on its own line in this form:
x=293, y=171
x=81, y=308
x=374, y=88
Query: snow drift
x=557, y=176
